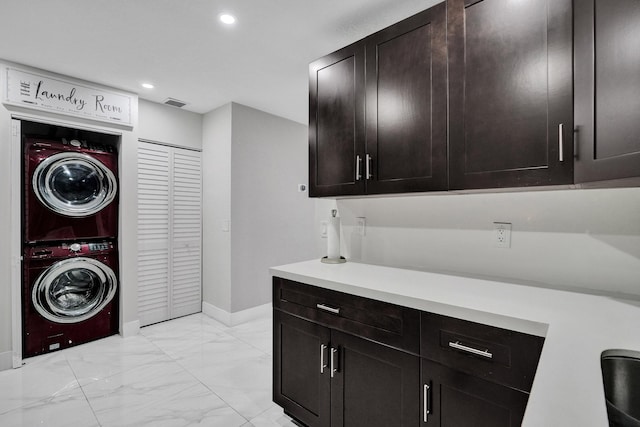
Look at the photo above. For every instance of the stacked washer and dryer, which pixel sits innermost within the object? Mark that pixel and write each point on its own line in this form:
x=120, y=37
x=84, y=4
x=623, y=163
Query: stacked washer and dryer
x=70, y=231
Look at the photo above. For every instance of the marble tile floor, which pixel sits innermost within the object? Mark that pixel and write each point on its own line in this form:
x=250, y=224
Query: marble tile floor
x=191, y=371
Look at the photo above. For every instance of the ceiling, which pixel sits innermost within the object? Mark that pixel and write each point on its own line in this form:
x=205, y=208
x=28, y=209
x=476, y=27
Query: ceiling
x=181, y=47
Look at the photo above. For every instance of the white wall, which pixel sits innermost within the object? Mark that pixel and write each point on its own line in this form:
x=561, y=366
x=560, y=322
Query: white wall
x=253, y=163
x=6, y=153
x=128, y=233
x=272, y=222
x=581, y=239
x=169, y=125
x=216, y=208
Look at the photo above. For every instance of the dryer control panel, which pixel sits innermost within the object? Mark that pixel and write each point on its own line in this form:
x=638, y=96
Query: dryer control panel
x=65, y=250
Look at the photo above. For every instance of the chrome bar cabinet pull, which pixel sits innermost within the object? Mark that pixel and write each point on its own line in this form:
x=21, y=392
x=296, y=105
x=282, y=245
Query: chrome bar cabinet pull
x=358, y=162
x=329, y=309
x=368, y=167
x=334, y=368
x=458, y=346
x=560, y=142
x=427, y=410
x=322, y=363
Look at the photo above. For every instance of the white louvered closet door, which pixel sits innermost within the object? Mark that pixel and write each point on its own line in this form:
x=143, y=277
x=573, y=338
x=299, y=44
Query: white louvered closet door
x=186, y=247
x=153, y=233
x=169, y=232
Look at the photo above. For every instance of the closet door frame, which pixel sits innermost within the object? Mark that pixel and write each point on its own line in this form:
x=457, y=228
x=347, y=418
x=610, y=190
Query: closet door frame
x=170, y=310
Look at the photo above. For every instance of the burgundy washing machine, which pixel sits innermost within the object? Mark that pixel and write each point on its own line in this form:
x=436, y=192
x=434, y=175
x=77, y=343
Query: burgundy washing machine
x=70, y=190
x=69, y=295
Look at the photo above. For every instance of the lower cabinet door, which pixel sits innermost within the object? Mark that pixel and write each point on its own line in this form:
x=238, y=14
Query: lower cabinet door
x=452, y=398
x=301, y=376
x=372, y=385
x=322, y=377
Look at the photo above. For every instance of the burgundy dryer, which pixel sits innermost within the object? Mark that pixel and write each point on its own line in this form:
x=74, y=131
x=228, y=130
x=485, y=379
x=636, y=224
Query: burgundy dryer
x=69, y=295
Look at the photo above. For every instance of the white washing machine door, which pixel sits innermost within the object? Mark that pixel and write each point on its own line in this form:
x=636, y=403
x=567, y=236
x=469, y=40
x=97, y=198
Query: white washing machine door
x=74, y=290
x=74, y=184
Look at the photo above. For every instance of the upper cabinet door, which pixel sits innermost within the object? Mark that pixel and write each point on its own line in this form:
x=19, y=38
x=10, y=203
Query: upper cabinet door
x=607, y=89
x=336, y=123
x=406, y=118
x=510, y=93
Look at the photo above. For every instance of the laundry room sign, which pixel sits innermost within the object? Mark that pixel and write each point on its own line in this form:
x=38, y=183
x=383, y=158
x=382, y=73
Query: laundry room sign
x=37, y=91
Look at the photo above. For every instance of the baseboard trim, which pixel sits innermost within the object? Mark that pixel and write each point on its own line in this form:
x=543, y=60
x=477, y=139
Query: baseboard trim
x=6, y=360
x=233, y=319
x=130, y=329
x=216, y=313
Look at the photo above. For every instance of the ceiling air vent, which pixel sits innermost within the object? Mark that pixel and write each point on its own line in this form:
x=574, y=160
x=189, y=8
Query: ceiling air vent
x=174, y=102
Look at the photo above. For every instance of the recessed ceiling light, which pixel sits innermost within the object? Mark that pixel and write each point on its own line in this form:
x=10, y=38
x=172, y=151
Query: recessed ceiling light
x=147, y=85
x=227, y=19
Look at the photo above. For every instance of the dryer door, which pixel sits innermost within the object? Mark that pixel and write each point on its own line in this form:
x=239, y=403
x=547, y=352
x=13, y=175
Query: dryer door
x=74, y=290
x=74, y=184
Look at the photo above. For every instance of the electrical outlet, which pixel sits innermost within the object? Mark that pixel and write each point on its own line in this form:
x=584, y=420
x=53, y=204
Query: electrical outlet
x=502, y=236
x=324, y=228
x=361, y=225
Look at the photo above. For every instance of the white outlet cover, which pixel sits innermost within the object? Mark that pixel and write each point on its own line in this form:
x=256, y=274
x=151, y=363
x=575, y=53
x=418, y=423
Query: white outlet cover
x=361, y=225
x=502, y=234
x=324, y=225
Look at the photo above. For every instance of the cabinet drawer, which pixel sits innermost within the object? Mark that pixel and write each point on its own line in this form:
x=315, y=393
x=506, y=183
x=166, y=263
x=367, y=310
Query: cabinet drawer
x=499, y=355
x=379, y=321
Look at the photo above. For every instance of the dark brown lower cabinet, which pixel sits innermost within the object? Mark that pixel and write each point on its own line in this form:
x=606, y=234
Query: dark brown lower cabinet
x=341, y=360
x=452, y=398
x=323, y=377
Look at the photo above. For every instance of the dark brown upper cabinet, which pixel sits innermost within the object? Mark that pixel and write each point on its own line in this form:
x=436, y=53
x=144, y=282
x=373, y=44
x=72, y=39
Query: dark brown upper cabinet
x=510, y=93
x=406, y=94
x=480, y=94
x=404, y=86
x=336, y=123
x=607, y=89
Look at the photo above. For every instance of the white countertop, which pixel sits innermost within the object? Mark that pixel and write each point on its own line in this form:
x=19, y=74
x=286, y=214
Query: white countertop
x=567, y=390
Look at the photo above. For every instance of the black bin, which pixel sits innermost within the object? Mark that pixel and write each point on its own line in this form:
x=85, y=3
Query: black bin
x=621, y=377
